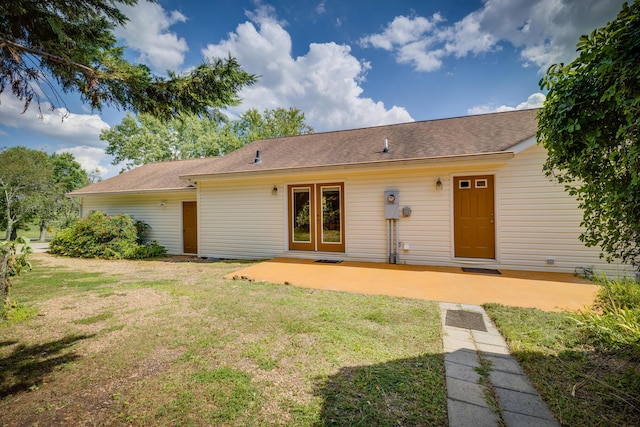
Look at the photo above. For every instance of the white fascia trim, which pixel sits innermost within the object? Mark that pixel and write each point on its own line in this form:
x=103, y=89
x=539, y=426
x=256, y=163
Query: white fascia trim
x=523, y=145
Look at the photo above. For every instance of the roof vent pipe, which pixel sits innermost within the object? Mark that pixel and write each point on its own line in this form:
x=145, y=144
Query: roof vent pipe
x=386, y=146
x=257, y=159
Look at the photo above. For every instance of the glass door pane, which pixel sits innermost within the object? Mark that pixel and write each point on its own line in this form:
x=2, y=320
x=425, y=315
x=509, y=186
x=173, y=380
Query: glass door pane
x=331, y=221
x=330, y=202
x=301, y=215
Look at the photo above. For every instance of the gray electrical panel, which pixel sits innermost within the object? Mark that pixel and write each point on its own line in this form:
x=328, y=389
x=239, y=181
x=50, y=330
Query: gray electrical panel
x=392, y=204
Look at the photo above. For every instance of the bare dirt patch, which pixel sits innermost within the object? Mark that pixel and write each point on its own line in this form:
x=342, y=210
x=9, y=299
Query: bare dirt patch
x=91, y=326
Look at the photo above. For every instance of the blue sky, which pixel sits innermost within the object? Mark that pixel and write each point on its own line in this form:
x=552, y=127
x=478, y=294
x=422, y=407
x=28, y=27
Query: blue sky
x=345, y=64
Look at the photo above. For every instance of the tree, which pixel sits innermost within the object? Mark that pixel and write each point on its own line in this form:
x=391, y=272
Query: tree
x=67, y=175
x=144, y=139
x=24, y=175
x=270, y=124
x=590, y=126
x=34, y=185
x=71, y=42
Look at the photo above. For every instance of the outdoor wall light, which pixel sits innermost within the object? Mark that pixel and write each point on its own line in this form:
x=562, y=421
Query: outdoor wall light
x=438, y=184
x=162, y=203
x=274, y=190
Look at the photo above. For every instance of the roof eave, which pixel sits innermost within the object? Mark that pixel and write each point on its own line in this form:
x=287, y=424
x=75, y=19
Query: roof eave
x=127, y=192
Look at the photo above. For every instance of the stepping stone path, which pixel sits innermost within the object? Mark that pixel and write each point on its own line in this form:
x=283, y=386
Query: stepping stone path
x=473, y=346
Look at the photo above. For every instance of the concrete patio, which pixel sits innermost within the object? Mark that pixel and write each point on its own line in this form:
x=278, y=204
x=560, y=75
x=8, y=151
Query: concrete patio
x=545, y=291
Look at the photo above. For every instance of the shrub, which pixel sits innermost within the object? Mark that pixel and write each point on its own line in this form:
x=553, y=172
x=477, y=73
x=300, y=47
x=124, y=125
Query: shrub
x=614, y=320
x=108, y=237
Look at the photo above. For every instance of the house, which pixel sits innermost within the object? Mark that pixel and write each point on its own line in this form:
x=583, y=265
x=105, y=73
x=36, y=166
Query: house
x=466, y=191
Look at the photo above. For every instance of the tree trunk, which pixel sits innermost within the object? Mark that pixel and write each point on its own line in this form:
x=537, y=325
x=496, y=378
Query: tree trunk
x=4, y=282
x=43, y=231
x=10, y=231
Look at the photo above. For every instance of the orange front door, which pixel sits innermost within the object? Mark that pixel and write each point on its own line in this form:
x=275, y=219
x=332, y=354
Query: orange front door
x=190, y=227
x=473, y=217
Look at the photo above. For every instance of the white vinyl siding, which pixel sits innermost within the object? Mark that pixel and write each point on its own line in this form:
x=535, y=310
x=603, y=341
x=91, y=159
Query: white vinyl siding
x=165, y=221
x=539, y=220
x=535, y=219
x=241, y=220
x=426, y=230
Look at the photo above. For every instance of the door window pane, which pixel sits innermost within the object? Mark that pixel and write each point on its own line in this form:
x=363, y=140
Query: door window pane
x=301, y=215
x=331, y=222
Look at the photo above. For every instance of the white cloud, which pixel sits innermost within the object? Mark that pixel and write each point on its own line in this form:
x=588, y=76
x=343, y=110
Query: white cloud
x=147, y=32
x=534, y=100
x=324, y=83
x=70, y=128
x=545, y=32
x=401, y=31
x=90, y=158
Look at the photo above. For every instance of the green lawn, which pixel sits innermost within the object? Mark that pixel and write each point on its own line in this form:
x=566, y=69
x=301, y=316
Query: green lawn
x=32, y=233
x=583, y=384
x=159, y=343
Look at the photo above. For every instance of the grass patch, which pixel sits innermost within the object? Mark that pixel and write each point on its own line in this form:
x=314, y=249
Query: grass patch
x=20, y=313
x=93, y=319
x=581, y=382
x=182, y=345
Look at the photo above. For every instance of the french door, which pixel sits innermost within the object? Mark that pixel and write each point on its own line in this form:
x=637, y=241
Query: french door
x=316, y=217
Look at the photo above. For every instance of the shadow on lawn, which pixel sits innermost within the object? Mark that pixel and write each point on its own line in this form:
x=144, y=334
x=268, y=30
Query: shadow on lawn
x=27, y=366
x=407, y=392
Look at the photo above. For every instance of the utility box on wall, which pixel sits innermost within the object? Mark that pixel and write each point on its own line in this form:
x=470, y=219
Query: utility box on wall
x=392, y=204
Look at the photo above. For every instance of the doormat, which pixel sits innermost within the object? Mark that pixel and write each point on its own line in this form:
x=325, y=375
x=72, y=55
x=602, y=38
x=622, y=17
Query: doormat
x=480, y=270
x=329, y=261
x=465, y=319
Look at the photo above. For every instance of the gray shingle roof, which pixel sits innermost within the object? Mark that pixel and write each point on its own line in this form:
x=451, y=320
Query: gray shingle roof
x=432, y=139
x=471, y=135
x=150, y=177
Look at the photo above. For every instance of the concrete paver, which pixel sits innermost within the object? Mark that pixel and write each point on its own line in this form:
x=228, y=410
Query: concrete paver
x=464, y=414
x=519, y=404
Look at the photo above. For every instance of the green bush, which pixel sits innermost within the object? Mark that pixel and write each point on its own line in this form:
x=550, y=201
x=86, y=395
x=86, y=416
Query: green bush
x=108, y=237
x=614, y=320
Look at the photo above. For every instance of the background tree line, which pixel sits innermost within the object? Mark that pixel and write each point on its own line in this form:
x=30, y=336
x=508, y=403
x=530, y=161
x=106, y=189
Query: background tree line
x=145, y=138
x=33, y=185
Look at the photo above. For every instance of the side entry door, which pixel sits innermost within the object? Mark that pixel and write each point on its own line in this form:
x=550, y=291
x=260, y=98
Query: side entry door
x=473, y=217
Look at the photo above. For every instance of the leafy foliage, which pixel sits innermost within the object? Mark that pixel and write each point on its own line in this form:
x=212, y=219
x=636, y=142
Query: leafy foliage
x=590, y=126
x=34, y=185
x=145, y=139
x=142, y=139
x=614, y=320
x=272, y=123
x=25, y=178
x=73, y=43
x=108, y=237
x=13, y=261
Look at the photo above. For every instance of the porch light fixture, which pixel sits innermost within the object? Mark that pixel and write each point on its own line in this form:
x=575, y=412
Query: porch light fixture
x=438, y=184
x=274, y=190
x=162, y=203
